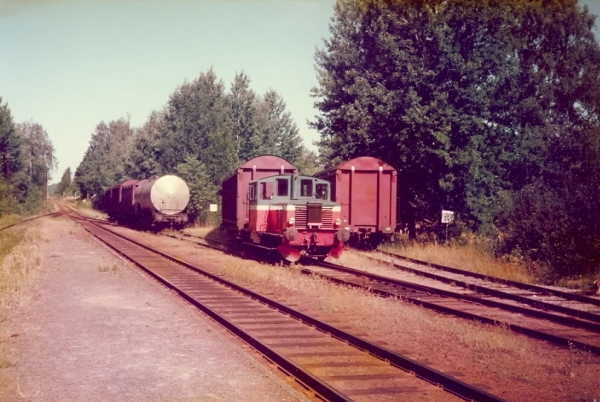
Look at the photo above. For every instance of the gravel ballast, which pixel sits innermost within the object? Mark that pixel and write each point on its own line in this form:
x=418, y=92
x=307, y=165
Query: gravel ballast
x=99, y=330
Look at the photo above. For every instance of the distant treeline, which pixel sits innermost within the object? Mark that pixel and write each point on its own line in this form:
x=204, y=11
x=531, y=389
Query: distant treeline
x=26, y=160
x=488, y=108
x=202, y=134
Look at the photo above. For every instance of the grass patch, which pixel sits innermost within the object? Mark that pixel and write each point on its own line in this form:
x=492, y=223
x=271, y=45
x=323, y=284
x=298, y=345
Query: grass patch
x=583, y=283
x=469, y=257
x=9, y=239
x=209, y=233
x=7, y=220
x=491, y=351
x=19, y=263
x=87, y=208
x=113, y=268
x=19, y=260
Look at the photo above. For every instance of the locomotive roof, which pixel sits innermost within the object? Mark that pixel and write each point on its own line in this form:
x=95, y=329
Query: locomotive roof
x=368, y=163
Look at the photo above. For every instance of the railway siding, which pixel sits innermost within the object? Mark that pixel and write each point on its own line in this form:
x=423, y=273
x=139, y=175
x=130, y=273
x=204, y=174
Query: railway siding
x=95, y=330
x=346, y=374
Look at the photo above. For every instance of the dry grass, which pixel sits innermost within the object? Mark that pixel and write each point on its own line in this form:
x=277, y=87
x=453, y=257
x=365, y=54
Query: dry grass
x=468, y=257
x=7, y=220
x=491, y=352
x=87, y=209
x=19, y=262
x=209, y=233
x=583, y=283
x=361, y=307
x=113, y=268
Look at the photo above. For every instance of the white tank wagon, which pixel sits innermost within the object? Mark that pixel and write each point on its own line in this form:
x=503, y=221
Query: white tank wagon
x=162, y=199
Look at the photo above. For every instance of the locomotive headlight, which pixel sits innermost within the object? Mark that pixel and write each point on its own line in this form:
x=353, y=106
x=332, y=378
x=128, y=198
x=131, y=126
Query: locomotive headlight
x=338, y=222
x=291, y=221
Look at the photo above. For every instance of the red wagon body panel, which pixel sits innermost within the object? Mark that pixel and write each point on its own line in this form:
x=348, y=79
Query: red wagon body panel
x=234, y=190
x=366, y=188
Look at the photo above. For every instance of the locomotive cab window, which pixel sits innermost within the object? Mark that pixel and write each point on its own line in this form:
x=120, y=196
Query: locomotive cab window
x=266, y=190
x=322, y=191
x=252, y=192
x=306, y=188
x=283, y=187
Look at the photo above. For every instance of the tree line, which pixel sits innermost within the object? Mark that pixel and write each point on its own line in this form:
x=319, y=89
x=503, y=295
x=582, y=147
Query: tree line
x=202, y=134
x=26, y=161
x=488, y=108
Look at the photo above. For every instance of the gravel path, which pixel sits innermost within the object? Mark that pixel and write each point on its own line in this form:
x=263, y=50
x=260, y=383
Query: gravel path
x=99, y=330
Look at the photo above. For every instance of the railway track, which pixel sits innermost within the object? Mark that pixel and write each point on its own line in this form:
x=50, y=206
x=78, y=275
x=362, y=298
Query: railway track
x=565, y=327
x=31, y=218
x=525, y=292
x=558, y=329
x=327, y=360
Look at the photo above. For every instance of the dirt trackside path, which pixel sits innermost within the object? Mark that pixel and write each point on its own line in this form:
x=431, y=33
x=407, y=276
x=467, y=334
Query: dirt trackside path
x=98, y=330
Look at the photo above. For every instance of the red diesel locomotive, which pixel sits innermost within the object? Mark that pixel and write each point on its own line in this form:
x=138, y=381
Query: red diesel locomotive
x=294, y=214
x=282, y=211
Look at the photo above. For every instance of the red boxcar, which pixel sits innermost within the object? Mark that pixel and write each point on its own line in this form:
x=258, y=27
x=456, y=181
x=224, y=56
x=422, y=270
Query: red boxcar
x=234, y=190
x=366, y=188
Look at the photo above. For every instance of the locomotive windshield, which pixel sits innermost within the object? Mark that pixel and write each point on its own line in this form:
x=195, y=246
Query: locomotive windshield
x=283, y=186
x=322, y=191
x=306, y=188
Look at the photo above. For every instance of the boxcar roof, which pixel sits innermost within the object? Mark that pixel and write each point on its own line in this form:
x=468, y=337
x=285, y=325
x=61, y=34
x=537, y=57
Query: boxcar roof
x=129, y=182
x=264, y=162
x=368, y=163
x=126, y=183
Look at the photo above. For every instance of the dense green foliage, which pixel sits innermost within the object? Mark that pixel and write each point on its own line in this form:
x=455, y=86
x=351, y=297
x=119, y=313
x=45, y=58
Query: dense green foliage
x=103, y=163
x=488, y=108
x=27, y=158
x=202, y=134
x=66, y=186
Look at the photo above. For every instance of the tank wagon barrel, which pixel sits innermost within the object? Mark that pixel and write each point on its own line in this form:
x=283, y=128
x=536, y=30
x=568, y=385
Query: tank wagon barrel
x=155, y=201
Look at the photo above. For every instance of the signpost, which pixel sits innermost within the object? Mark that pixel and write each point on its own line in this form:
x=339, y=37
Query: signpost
x=447, y=217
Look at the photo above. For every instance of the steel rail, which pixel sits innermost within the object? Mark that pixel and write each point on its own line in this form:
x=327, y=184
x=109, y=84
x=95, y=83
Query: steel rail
x=519, y=285
x=557, y=340
x=504, y=295
x=49, y=215
x=425, y=290
x=449, y=383
x=304, y=377
x=590, y=326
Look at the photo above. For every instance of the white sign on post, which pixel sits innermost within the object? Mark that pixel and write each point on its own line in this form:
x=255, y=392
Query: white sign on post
x=447, y=216
x=213, y=207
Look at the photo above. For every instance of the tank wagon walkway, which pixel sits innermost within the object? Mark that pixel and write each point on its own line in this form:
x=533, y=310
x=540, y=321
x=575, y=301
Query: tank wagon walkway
x=97, y=330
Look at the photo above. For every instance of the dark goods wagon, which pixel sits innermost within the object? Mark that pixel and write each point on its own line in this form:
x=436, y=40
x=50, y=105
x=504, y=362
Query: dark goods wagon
x=153, y=202
x=366, y=188
x=234, y=190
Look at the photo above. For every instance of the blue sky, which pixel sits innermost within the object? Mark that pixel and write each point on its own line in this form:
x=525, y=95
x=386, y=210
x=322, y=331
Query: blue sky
x=69, y=64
